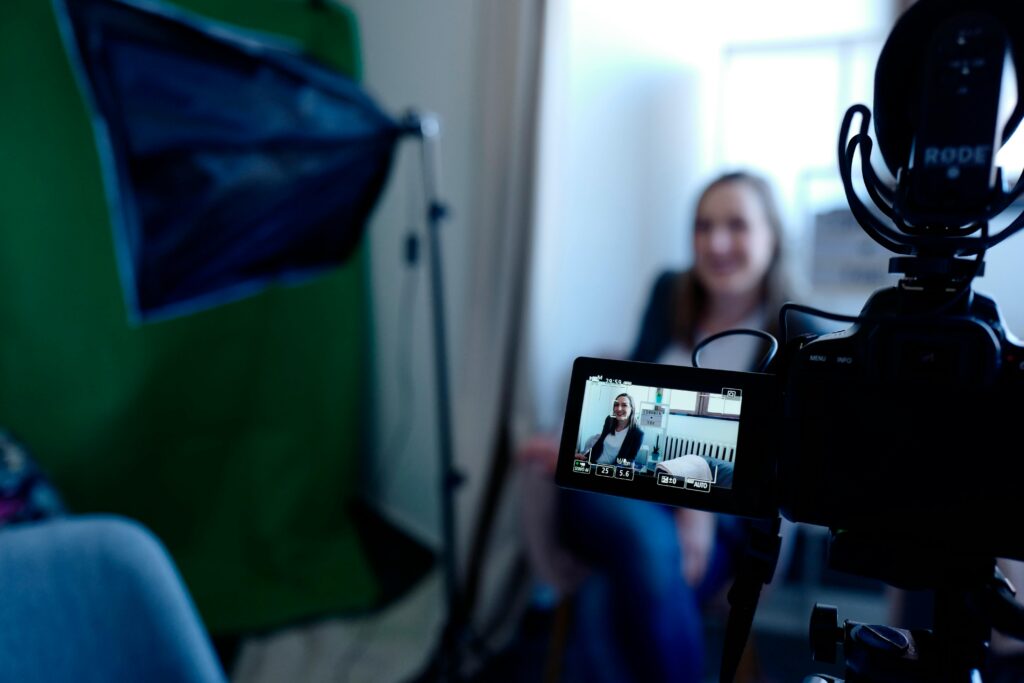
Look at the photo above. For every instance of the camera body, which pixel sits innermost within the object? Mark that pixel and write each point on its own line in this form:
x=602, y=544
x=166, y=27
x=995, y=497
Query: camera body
x=904, y=426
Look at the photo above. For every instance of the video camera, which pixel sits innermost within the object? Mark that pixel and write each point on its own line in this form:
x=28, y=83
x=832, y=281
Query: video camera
x=900, y=432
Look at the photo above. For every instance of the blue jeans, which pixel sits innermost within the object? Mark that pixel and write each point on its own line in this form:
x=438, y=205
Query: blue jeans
x=638, y=614
x=91, y=599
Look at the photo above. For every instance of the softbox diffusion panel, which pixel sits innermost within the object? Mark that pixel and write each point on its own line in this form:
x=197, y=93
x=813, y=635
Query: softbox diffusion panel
x=226, y=432
x=230, y=160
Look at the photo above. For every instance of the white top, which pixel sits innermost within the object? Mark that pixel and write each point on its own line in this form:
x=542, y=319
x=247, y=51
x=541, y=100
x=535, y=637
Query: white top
x=736, y=352
x=612, y=446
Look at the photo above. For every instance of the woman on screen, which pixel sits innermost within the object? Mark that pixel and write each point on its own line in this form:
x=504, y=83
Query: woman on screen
x=620, y=439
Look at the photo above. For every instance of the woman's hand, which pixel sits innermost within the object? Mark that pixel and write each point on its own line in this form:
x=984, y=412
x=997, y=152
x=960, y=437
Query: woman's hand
x=696, y=532
x=541, y=451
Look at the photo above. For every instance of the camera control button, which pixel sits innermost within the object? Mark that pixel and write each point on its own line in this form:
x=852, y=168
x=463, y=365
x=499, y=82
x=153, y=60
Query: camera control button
x=624, y=473
x=581, y=466
x=604, y=471
x=671, y=480
x=697, y=485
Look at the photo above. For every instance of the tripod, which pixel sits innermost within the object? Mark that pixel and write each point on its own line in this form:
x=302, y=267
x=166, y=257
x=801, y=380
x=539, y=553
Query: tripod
x=971, y=596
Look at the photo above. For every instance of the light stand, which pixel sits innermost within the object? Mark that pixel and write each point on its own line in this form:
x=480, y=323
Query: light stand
x=445, y=664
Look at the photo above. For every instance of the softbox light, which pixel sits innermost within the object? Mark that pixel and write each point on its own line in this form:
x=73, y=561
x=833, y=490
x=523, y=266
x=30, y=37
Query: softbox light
x=230, y=160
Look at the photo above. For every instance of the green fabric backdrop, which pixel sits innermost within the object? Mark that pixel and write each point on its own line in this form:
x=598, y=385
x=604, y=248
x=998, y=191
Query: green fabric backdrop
x=235, y=433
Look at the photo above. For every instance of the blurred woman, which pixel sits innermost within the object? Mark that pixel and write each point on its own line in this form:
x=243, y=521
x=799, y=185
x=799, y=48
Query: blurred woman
x=658, y=564
x=736, y=280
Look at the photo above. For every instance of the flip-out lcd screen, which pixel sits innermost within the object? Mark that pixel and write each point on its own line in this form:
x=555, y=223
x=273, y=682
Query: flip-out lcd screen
x=677, y=435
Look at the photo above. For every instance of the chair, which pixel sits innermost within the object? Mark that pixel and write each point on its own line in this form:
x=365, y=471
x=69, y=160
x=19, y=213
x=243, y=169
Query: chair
x=96, y=598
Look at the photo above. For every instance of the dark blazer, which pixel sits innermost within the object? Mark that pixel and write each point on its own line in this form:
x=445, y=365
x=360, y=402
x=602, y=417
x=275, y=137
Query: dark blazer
x=630, y=445
x=656, y=329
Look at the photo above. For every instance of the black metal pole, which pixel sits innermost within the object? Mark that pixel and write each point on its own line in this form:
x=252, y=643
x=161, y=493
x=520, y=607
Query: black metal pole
x=449, y=475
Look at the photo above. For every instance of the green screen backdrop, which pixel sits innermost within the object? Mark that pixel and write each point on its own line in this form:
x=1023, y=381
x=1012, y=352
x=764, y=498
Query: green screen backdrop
x=235, y=434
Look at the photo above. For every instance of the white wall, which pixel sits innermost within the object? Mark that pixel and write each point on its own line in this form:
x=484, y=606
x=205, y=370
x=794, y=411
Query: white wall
x=421, y=55
x=621, y=151
x=1003, y=282
x=703, y=428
